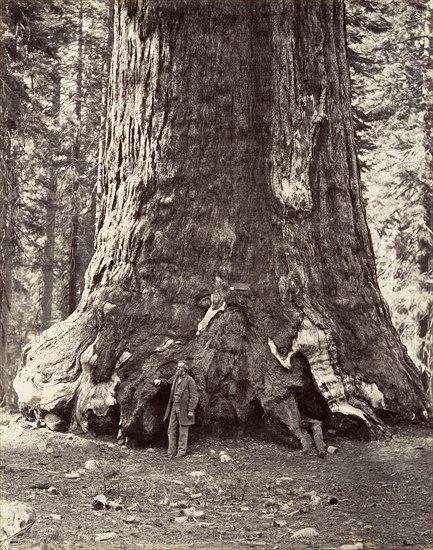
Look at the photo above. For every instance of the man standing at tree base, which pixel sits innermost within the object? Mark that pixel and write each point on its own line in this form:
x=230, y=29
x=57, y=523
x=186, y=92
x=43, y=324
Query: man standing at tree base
x=180, y=409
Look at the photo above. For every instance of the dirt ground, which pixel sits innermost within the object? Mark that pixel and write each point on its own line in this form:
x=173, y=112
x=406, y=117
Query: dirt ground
x=377, y=493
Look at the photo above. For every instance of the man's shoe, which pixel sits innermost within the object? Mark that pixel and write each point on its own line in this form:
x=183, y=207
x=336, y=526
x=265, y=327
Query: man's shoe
x=180, y=456
x=169, y=455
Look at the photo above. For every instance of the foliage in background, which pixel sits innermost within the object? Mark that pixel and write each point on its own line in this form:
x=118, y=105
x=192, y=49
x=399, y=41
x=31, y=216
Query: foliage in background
x=56, y=53
x=388, y=58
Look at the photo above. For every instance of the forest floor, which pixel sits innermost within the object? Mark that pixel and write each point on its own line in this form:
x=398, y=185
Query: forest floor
x=381, y=492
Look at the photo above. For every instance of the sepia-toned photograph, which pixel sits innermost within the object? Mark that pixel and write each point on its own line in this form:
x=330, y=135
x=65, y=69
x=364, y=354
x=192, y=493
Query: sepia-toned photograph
x=216, y=274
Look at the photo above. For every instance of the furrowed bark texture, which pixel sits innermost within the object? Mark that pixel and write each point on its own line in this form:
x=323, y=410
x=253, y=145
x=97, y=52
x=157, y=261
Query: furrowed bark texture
x=232, y=231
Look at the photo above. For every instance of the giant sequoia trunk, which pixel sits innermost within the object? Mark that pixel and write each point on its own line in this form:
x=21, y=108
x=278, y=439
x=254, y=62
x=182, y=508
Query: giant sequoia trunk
x=232, y=232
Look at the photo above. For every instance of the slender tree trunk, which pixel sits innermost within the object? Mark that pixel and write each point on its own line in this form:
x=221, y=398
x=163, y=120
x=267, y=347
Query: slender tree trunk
x=5, y=262
x=8, y=197
x=50, y=230
x=234, y=234
x=98, y=192
x=49, y=250
x=425, y=257
x=74, y=261
x=4, y=233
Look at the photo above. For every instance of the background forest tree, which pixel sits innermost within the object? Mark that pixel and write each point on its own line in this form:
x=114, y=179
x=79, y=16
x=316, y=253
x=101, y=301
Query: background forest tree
x=56, y=58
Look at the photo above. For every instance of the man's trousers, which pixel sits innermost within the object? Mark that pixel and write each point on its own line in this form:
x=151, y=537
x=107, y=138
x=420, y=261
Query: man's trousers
x=177, y=434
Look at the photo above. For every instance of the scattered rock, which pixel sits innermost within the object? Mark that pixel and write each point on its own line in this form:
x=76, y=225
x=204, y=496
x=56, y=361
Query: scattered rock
x=106, y=536
x=207, y=524
x=150, y=450
x=188, y=490
x=91, y=464
x=99, y=502
x=55, y=423
x=356, y=546
x=178, y=482
x=224, y=457
x=331, y=450
x=197, y=473
x=306, y=533
x=56, y=517
x=408, y=542
x=198, y=514
x=40, y=485
x=245, y=509
x=158, y=522
x=53, y=491
x=165, y=501
x=332, y=500
x=72, y=475
x=280, y=522
x=81, y=471
x=315, y=499
x=114, y=505
x=195, y=495
x=285, y=479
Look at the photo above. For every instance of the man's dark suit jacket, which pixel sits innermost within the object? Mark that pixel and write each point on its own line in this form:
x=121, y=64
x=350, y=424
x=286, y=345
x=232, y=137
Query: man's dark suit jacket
x=188, y=400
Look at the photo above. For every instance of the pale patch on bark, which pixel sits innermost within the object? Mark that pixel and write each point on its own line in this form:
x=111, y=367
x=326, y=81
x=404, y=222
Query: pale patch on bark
x=292, y=192
x=209, y=315
x=284, y=361
x=165, y=345
x=373, y=395
x=108, y=306
x=123, y=358
x=93, y=397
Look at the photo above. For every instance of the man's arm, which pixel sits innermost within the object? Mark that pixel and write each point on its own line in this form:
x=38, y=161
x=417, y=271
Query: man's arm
x=193, y=396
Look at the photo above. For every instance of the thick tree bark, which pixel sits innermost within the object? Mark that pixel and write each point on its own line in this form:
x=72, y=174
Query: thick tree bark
x=232, y=233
